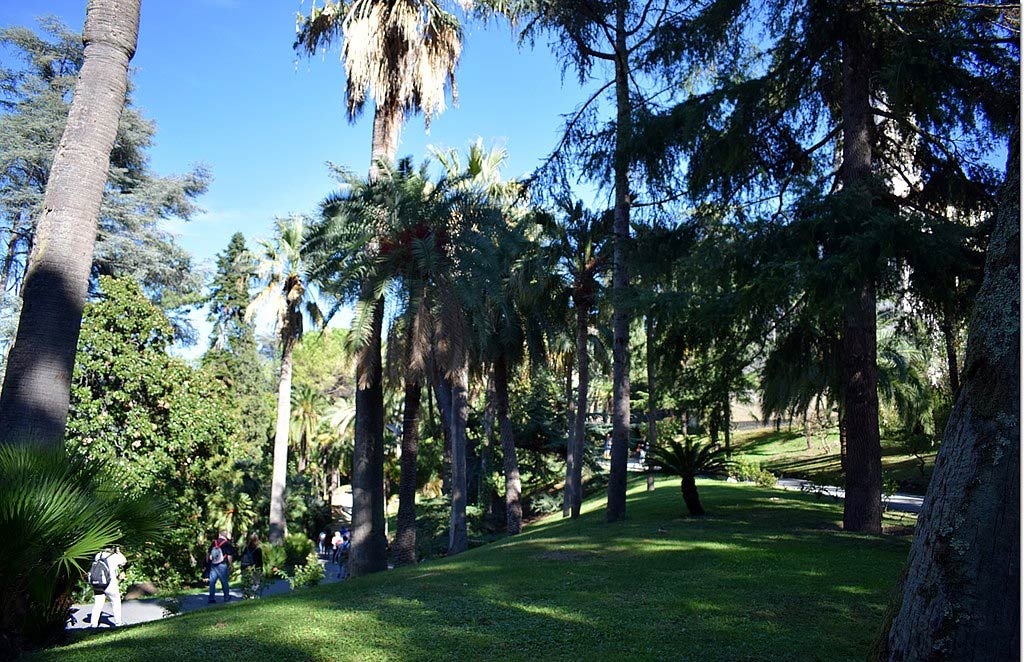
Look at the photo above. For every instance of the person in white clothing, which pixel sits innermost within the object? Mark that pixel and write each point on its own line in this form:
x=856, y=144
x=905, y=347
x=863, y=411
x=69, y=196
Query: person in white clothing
x=114, y=560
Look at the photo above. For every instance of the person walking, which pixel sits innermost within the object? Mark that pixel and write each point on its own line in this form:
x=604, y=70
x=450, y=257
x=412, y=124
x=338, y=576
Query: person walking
x=220, y=556
x=321, y=545
x=336, y=547
x=252, y=566
x=103, y=578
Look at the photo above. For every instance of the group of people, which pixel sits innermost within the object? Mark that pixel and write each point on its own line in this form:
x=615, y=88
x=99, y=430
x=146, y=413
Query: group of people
x=106, y=569
x=338, y=549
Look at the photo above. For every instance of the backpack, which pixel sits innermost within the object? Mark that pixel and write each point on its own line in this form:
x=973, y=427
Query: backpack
x=216, y=554
x=99, y=574
x=247, y=557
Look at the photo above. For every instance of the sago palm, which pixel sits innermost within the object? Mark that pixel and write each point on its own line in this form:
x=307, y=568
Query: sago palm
x=687, y=459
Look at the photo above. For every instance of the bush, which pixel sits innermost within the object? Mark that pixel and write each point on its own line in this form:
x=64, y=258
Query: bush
x=309, y=574
x=274, y=557
x=297, y=547
x=752, y=472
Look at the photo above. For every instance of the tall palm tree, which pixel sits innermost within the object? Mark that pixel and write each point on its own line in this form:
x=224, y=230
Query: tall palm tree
x=286, y=292
x=404, y=53
x=37, y=384
x=308, y=405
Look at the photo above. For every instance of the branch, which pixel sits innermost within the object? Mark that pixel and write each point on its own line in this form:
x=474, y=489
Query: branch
x=572, y=123
x=920, y=132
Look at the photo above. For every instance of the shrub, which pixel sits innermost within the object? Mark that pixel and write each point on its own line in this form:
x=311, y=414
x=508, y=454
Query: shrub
x=309, y=574
x=274, y=556
x=297, y=547
x=56, y=513
x=752, y=471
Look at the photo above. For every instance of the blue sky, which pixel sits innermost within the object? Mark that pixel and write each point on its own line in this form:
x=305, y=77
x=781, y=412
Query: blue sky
x=220, y=79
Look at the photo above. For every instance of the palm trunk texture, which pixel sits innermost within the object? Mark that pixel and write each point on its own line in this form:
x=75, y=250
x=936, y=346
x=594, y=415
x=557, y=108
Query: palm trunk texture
x=513, y=486
x=279, y=473
x=405, y=538
x=37, y=386
x=862, y=507
x=960, y=598
x=690, y=496
x=616, y=508
x=458, y=541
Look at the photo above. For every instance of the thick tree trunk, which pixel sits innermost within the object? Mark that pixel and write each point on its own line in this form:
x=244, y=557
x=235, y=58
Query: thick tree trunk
x=690, y=496
x=579, y=437
x=442, y=386
x=616, y=508
x=37, y=385
x=486, y=452
x=513, y=486
x=458, y=541
x=727, y=424
x=279, y=473
x=960, y=598
x=405, y=537
x=652, y=401
x=368, y=552
x=862, y=507
x=387, y=127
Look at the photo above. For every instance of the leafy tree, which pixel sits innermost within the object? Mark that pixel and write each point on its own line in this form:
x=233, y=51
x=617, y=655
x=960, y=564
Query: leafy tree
x=286, y=292
x=156, y=424
x=35, y=397
x=404, y=53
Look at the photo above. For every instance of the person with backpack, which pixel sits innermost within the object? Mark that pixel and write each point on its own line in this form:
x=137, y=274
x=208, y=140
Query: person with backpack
x=103, y=579
x=321, y=545
x=220, y=556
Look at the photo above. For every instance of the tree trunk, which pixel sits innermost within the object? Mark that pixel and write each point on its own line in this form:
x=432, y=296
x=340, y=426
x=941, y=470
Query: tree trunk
x=368, y=551
x=652, y=401
x=713, y=426
x=727, y=424
x=279, y=472
x=690, y=496
x=458, y=541
x=579, y=437
x=616, y=508
x=862, y=507
x=513, y=487
x=37, y=385
x=960, y=598
x=485, y=453
x=387, y=127
x=842, y=439
x=405, y=537
x=570, y=451
x=442, y=386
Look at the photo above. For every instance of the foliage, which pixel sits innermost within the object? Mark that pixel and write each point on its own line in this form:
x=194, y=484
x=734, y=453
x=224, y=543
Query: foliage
x=56, y=513
x=745, y=470
x=311, y=573
x=157, y=425
x=687, y=459
x=297, y=547
x=275, y=557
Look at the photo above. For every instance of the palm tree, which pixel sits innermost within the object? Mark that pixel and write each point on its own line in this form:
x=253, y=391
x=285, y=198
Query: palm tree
x=308, y=405
x=404, y=53
x=285, y=291
x=37, y=384
x=686, y=460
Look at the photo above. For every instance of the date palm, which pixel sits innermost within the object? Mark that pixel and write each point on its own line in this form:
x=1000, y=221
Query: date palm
x=37, y=384
x=286, y=292
x=404, y=54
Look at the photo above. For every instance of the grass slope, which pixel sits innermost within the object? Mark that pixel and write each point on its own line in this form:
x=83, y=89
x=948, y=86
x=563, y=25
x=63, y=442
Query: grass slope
x=765, y=576
x=786, y=453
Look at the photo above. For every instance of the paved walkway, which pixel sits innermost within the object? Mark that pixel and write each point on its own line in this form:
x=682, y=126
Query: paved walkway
x=904, y=503
x=151, y=609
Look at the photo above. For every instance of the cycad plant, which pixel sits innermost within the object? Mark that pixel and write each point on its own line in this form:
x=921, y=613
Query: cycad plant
x=686, y=459
x=56, y=513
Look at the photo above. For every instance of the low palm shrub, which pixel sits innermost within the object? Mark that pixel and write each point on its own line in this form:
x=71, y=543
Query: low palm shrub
x=297, y=547
x=686, y=459
x=56, y=513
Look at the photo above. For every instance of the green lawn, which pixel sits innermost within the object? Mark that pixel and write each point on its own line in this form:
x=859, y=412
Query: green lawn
x=765, y=576
x=786, y=453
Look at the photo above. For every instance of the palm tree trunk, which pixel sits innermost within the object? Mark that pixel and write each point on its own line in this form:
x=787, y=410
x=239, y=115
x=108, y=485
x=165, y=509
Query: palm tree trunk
x=279, y=473
x=960, y=598
x=583, y=368
x=616, y=508
x=862, y=507
x=37, y=385
x=652, y=401
x=405, y=538
x=727, y=424
x=387, y=127
x=368, y=552
x=569, y=448
x=458, y=540
x=442, y=386
x=513, y=486
x=690, y=496
x=485, y=453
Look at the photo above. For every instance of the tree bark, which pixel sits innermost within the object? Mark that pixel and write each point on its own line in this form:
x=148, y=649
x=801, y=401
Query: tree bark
x=513, y=486
x=37, y=385
x=458, y=541
x=690, y=496
x=405, y=537
x=949, y=336
x=727, y=424
x=616, y=508
x=579, y=437
x=442, y=386
x=570, y=425
x=368, y=552
x=862, y=507
x=652, y=401
x=387, y=127
x=279, y=472
x=960, y=598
